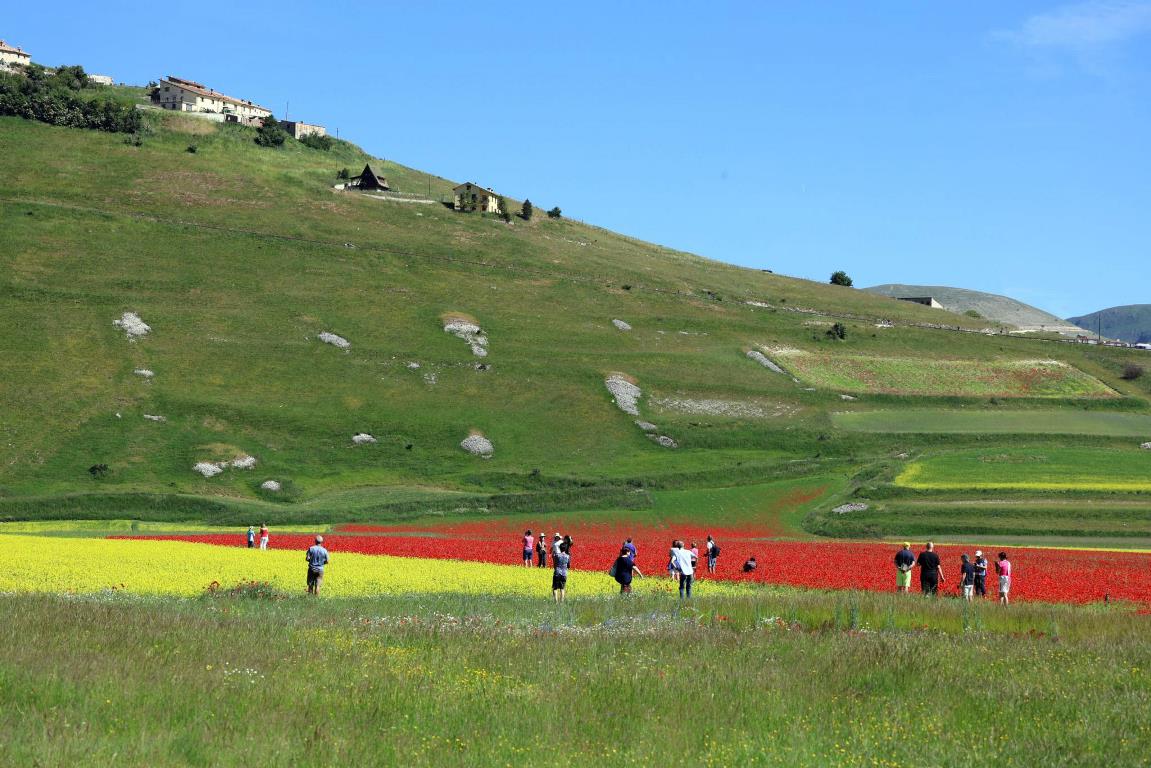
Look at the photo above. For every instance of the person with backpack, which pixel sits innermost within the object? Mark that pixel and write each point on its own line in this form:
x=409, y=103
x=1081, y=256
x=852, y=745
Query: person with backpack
x=712, y=554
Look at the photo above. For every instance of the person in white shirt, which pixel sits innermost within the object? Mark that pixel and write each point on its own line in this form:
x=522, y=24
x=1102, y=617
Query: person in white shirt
x=682, y=558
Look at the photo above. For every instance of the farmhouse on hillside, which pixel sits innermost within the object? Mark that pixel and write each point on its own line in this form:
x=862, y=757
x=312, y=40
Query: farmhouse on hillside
x=298, y=130
x=11, y=55
x=188, y=96
x=100, y=79
x=472, y=197
x=368, y=179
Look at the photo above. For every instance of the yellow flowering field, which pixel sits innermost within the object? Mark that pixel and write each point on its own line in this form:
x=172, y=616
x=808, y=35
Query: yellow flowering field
x=84, y=565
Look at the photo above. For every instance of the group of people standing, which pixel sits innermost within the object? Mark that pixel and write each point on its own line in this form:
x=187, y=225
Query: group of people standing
x=251, y=537
x=560, y=552
x=972, y=572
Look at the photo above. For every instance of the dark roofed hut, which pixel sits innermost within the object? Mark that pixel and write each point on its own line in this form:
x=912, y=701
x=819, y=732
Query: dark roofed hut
x=369, y=180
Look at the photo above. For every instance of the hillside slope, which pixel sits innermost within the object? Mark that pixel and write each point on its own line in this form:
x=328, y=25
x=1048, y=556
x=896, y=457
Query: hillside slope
x=999, y=309
x=1131, y=323
x=240, y=259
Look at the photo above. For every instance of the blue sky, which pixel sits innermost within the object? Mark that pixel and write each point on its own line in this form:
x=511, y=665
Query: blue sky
x=988, y=145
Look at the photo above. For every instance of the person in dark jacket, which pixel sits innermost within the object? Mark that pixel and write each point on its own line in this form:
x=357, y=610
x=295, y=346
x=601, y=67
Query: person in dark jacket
x=904, y=562
x=624, y=569
x=930, y=570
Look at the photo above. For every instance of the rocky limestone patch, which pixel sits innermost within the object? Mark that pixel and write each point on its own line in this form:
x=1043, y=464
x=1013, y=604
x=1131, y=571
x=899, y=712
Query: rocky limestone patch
x=646, y=426
x=132, y=325
x=664, y=441
x=621, y=325
x=715, y=407
x=843, y=509
x=478, y=445
x=626, y=394
x=144, y=372
x=363, y=438
x=1146, y=446
x=153, y=417
x=471, y=333
x=334, y=340
x=208, y=468
x=764, y=360
x=271, y=485
x=244, y=462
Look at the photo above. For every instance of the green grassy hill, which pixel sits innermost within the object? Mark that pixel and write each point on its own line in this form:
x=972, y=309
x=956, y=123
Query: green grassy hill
x=238, y=257
x=1130, y=323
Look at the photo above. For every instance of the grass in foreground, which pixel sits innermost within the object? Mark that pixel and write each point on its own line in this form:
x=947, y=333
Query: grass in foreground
x=779, y=678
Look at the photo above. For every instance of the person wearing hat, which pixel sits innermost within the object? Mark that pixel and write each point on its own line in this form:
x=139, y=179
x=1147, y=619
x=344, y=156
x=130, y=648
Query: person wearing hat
x=557, y=541
x=980, y=573
x=904, y=562
x=967, y=576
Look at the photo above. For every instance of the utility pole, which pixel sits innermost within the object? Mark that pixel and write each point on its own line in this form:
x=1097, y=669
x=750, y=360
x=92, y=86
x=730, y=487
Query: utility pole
x=286, y=105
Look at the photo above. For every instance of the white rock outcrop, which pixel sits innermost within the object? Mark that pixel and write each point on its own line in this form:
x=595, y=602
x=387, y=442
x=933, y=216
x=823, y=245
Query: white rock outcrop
x=144, y=372
x=271, y=485
x=665, y=441
x=363, y=438
x=244, y=462
x=478, y=445
x=1146, y=446
x=207, y=468
x=621, y=325
x=764, y=360
x=132, y=325
x=843, y=509
x=626, y=394
x=471, y=333
x=153, y=417
x=646, y=426
x=334, y=340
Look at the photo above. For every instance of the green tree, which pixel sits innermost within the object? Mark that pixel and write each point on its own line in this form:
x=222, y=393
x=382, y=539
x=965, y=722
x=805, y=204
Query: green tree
x=270, y=134
x=316, y=141
x=527, y=210
x=840, y=278
x=555, y=213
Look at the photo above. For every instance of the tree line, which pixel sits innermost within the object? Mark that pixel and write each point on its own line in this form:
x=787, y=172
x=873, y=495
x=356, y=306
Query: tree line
x=54, y=97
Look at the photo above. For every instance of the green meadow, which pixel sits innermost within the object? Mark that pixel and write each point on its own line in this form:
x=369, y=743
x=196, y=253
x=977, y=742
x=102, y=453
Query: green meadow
x=996, y=421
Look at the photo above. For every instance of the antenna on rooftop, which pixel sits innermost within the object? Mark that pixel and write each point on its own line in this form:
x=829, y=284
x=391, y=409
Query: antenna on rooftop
x=286, y=105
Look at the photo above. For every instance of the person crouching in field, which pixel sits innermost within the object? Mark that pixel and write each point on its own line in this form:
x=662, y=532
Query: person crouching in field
x=560, y=563
x=930, y=570
x=317, y=558
x=623, y=569
x=904, y=562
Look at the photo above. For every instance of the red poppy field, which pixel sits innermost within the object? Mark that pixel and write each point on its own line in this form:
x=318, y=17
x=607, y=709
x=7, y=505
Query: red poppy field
x=1049, y=575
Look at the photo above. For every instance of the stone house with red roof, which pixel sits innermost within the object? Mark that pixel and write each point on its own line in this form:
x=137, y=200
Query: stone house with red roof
x=189, y=96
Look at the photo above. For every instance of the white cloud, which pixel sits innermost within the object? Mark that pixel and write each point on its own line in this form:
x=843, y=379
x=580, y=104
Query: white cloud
x=1083, y=26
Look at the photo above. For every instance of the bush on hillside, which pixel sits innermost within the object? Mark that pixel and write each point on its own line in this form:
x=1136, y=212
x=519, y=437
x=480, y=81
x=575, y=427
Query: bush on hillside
x=555, y=213
x=837, y=331
x=52, y=99
x=1132, y=371
x=840, y=278
x=973, y=314
x=343, y=173
x=316, y=141
x=270, y=134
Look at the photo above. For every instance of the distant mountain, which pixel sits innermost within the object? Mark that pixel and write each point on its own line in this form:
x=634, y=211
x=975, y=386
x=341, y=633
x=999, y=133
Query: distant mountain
x=990, y=306
x=1129, y=323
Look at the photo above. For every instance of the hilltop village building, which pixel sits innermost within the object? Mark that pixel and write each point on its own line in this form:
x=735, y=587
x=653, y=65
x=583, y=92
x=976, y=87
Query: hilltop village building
x=472, y=197
x=13, y=56
x=189, y=96
x=298, y=130
x=100, y=79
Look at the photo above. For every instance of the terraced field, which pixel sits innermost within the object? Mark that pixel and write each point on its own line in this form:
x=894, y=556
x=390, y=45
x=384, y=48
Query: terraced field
x=846, y=372
x=1037, y=469
x=996, y=421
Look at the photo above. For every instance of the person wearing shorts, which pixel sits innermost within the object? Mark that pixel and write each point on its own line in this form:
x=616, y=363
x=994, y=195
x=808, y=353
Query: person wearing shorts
x=1003, y=568
x=529, y=548
x=967, y=577
x=560, y=563
x=904, y=562
x=317, y=558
